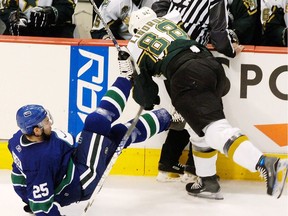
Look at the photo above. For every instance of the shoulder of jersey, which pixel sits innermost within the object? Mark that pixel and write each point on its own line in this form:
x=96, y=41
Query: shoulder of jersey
x=174, y=16
x=65, y=136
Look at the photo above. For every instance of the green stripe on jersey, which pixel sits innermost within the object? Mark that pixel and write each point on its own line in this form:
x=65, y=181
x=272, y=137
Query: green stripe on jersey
x=151, y=123
x=68, y=177
x=43, y=206
x=18, y=180
x=115, y=96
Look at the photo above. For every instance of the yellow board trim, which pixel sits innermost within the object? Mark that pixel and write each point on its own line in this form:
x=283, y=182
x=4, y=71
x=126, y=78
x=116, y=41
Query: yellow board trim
x=204, y=154
x=144, y=162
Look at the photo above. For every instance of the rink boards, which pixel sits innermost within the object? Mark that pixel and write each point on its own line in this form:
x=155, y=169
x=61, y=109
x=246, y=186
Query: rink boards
x=70, y=76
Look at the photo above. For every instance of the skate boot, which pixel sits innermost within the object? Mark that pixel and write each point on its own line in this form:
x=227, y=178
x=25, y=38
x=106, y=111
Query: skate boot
x=189, y=174
x=268, y=168
x=178, y=122
x=125, y=63
x=27, y=209
x=168, y=173
x=205, y=187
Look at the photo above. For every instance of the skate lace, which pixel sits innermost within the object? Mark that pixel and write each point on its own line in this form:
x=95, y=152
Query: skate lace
x=126, y=68
x=197, y=184
x=263, y=172
x=181, y=165
x=177, y=117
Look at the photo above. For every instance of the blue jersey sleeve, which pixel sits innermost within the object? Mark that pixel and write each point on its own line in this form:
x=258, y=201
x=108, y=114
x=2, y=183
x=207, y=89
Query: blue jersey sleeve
x=19, y=183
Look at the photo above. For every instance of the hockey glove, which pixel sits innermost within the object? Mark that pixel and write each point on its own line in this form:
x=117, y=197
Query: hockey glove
x=161, y=7
x=17, y=21
x=43, y=16
x=233, y=36
x=145, y=91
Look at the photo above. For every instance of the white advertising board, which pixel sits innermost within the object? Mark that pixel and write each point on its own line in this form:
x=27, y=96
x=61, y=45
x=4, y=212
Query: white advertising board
x=37, y=73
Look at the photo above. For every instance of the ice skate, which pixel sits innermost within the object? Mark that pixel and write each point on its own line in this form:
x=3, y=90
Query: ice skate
x=205, y=187
x=189, y=174
x=167, y=173
x=178, y=122
x=271, y=168
x=125, y=63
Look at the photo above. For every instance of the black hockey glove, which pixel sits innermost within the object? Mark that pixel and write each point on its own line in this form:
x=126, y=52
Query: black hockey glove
x=161, y=7
x=233, y=36
x=43, y=16
x=17, y=21
x=145, y=91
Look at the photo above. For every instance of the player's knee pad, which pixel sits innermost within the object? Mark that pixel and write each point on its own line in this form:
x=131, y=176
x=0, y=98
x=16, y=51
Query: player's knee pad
x=98, y=122
x=205, y=160
x=222, y=136
x=195, y=139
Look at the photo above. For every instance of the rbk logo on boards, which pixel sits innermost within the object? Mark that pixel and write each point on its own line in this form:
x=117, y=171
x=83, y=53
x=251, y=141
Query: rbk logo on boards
x=88, y=83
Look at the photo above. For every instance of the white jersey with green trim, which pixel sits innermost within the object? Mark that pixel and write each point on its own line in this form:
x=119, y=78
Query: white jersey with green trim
x=155, y=36
x=112, y=10
x=266, y=6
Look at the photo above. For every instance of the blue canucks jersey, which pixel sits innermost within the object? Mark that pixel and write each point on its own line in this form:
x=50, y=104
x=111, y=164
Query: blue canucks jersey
x=41, y=171
x=59, y=171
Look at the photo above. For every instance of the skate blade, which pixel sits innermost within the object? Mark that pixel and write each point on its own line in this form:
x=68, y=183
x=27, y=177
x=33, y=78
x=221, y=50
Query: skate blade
x=168, y=177
x=188, y=178
x=208, y=195
x=282, y=173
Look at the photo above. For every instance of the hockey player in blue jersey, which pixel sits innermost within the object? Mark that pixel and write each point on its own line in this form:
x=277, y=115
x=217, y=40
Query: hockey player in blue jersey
x=50, y=167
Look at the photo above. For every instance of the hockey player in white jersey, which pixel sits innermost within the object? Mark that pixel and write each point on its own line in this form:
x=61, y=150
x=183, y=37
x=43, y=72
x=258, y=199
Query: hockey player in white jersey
x=116, y=13
x=50, y=167
x=205, y=21
x=198, y=82
x=274, y=17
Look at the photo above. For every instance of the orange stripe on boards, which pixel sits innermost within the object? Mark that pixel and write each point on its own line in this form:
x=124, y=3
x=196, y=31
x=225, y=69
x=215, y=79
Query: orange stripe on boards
x=98, y=42
x=277, y=132
x=39, y=40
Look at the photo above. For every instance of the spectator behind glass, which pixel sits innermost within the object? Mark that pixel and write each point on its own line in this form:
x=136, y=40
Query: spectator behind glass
x=46, y=18
x=274, y=17
x=244, y=20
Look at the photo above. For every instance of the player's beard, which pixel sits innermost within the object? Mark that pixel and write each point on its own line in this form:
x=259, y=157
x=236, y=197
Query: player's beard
x=45, y=136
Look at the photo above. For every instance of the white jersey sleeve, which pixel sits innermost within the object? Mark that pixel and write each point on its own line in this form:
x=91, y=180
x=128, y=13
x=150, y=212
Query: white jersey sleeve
x=266, y=6
x=112, y=10
x=65, y=136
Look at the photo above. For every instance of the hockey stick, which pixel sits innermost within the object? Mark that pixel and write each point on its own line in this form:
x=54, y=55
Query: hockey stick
x=2, y=27
x=112, y=161
x=128, y=132
x=109, y=32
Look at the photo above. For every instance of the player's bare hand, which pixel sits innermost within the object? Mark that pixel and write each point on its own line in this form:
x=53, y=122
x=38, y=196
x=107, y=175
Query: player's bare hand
x=238, y=48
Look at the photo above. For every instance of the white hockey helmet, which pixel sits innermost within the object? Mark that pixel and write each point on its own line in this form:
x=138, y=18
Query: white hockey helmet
x=139, y=18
